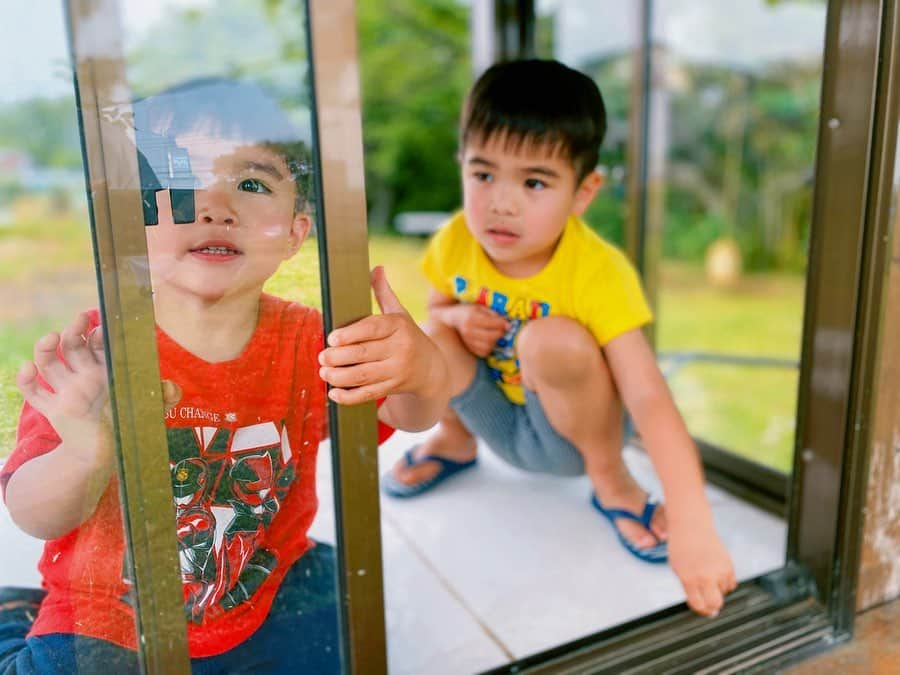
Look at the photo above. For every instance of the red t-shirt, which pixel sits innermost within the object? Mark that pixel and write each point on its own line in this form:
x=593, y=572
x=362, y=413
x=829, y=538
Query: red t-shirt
x=242, y=449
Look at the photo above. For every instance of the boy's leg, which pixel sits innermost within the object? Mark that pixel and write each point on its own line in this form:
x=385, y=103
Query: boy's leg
x=562, y=363
x=61, y=654
x=57, y=653
x=451, y=439
x=301, y=633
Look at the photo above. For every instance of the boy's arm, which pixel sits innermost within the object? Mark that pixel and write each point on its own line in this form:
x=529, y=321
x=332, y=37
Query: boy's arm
x=387, y=356
x=696, y=554
x=53, y=493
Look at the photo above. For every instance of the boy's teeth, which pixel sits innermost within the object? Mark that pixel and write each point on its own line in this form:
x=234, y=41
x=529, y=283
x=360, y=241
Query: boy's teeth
x=219, y=250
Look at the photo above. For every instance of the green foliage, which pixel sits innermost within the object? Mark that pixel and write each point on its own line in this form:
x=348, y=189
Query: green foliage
x=45, y=129
x=414, y=60
x=741, y=160
x=230, y=38
x=749, y=410
x=687, y=239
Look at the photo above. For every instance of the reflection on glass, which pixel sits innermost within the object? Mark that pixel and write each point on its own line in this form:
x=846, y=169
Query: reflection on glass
x=58, y=477
x=740, y=112
x=222, y=140
x=224, y=147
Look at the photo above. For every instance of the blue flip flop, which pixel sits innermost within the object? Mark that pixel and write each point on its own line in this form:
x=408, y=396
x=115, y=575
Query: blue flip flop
x=394, y=488
x=655, y=554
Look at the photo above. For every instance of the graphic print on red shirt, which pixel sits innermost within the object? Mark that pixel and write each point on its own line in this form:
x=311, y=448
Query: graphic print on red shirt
x=228, y=486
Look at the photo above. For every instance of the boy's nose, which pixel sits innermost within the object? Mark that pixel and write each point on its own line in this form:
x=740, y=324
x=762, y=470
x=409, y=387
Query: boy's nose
x=502, y=203
x=213, y=208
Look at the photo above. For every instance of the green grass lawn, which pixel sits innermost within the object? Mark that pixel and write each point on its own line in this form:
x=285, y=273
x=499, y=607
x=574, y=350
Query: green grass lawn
x=750, y=411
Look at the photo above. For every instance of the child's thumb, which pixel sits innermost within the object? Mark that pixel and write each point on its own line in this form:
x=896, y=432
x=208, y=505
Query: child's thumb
x=384, y=294
x=172, y=393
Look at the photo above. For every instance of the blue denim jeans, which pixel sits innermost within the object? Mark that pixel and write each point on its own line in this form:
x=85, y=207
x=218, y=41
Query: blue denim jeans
x=300, y=634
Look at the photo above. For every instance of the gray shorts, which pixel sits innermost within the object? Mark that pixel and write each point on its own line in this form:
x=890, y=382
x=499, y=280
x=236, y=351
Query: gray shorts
x=520, y=434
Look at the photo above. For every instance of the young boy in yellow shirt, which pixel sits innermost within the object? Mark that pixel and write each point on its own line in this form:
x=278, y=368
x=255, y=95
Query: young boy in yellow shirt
x=540, y=322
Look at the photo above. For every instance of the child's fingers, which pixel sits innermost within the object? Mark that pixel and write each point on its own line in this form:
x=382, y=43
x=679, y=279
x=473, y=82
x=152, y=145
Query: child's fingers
x=384, y=294
x=489, y=319
x=480, y=347
x=371, y=392
x=360, y=352
x=74, y=345
x=48, y=363
x=368, y=328
x=481, y=332
x=171, y=394
x=95, y=342
x=360, y=375
x=27, y=382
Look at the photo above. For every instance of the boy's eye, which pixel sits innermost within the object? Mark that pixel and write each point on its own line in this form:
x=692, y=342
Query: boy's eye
x=253, y=185
x=483, y=176
x=535, y=184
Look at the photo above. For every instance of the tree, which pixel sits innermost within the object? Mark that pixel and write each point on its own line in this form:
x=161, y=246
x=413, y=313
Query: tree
x=415, y=70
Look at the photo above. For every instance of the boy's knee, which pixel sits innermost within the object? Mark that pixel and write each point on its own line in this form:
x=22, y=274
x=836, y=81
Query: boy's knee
x=557, y=349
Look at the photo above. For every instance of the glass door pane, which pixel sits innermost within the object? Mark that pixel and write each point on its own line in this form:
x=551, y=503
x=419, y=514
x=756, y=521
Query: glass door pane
x=66, y=580
x=222, y=124
x=209, y=151
x=738, y=89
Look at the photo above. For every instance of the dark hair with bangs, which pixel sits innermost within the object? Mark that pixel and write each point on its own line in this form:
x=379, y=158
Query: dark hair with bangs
x=537, y=102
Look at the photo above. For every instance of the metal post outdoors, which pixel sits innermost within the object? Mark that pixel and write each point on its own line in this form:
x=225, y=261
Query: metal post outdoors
x=120, y=245
x=345, y=281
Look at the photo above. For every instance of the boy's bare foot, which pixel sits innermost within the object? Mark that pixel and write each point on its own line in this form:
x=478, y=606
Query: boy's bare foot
x=624, y=493
x=461, y=449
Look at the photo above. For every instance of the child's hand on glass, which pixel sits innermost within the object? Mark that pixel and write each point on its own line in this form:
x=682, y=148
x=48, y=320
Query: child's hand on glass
x=73, y=364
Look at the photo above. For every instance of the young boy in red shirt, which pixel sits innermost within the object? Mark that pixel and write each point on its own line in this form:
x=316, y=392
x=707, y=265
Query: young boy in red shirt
x=243, y=383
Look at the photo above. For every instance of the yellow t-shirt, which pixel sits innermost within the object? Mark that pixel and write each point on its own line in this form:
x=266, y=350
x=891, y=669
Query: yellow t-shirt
x=587, y=279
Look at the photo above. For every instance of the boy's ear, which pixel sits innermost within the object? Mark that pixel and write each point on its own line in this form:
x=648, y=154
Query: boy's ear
x=299, y=231
x=586, y=191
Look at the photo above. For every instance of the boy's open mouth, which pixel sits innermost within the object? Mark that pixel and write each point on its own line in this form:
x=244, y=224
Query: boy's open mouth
x=216, y=249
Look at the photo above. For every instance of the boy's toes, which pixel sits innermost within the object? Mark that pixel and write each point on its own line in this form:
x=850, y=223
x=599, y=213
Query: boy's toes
x=658, y=523
x=636, y=534
x=418, y=473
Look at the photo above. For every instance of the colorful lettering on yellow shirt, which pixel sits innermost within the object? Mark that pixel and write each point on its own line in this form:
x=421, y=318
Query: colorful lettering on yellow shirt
x=502, y=361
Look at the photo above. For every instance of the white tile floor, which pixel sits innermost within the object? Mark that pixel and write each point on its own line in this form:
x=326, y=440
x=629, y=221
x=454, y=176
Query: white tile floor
x=499, y=564
x=528, y=564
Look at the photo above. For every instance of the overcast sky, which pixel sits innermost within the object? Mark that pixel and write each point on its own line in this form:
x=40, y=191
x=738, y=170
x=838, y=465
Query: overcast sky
x=34, y=48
